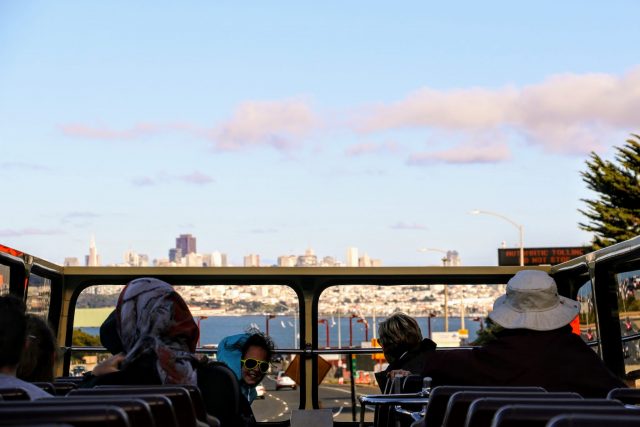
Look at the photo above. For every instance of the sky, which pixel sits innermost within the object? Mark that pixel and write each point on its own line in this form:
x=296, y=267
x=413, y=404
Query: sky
x=273, y=127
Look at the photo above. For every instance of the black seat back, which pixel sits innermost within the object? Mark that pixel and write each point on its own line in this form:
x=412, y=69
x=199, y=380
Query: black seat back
x=78, y=416
x=221, y=391
x=540, y=415
x=138, y=411
x=630, y=396
x=439, y=399
x=48, y=387
x=180, y=399
x=64, y=387
x=14, y=393
x=456, y=412
x=594, y=420
x=481, y=411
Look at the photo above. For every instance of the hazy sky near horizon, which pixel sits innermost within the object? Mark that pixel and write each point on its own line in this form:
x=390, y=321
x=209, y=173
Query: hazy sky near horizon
x=272, y=127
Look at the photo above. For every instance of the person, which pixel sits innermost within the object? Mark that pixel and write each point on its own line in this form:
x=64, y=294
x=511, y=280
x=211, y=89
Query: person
x=13, y=336
x=153, y=336
x=403, y=346
x=249, y=357
x=39, y=356
x=534, y=346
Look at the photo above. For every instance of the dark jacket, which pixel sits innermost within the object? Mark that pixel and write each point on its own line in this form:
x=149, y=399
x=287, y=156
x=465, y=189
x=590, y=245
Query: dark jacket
x=412, y=361
x=556, y=360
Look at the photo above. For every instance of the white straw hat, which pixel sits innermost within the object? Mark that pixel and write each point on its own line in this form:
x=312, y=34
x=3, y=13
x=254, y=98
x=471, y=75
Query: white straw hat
x=532, y=302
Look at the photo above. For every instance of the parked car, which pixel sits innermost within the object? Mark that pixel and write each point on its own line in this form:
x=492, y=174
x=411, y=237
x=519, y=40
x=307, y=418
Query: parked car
x=261, y=391
x=283, y=381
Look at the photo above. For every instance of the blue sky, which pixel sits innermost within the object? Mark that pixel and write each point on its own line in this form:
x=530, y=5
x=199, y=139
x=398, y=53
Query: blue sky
x=271, y=127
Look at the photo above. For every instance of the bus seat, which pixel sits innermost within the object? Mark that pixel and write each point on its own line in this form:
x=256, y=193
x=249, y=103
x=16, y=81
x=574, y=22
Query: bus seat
x=540, y=415
x=594, y=420
x=78, y=416
x=439, y=399
x=48, y=387
x=160, y=406
x=459, y=403
x=482, y=410
x=14, y=393
x=630, y=396
x=138, y=411
x=180, y=399
x=64, y=387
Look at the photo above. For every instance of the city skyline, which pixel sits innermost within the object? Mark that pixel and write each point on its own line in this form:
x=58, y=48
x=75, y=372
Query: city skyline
x=268, y=129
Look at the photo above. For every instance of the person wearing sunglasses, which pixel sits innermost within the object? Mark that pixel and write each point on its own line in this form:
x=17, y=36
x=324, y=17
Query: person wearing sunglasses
x=249, y=357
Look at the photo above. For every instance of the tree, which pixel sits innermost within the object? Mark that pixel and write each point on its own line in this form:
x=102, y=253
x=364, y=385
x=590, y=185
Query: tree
x=615, y=215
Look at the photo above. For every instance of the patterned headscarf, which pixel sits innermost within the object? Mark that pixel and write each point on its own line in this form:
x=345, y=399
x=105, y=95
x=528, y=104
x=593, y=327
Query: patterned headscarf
x=153, y=318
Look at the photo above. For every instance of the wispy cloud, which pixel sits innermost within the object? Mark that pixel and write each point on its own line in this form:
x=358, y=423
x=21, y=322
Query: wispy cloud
x=197, y=178
x=22, y=166
x=28, y=232
x=79, y=216
x=194, y=178
x=494, y=153
x=401, y=225
x=263, y=231
x=566, y=113
x=372, y=148
x=138, y=130
x=278, y=124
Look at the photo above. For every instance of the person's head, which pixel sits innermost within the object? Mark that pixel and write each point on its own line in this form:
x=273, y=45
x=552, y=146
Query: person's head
x=13, y=328
x=398, y=333
x=152, y=318
x=39, y=356
x=532, y=302
x=256, y=351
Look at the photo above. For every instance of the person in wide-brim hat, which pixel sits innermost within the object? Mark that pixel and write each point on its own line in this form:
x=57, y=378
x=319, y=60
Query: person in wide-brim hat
x=533, y=345
x=532, y=302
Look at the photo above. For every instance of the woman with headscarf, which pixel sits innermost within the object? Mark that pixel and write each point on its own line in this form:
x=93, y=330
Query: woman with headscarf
x=153, y=337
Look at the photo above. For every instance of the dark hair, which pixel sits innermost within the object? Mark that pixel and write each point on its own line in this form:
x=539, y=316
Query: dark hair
x=38, y=358
x=13, y=330
x=258, y=339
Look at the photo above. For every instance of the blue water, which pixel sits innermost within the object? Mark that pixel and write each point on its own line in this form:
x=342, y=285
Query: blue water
x=283, y=331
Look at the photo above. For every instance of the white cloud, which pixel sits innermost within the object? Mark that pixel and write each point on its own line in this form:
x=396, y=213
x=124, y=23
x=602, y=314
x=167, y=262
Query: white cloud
x=278, y=124
x=566, y=113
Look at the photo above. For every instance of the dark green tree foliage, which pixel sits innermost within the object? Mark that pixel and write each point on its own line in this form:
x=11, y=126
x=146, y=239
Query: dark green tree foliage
x=615, y=215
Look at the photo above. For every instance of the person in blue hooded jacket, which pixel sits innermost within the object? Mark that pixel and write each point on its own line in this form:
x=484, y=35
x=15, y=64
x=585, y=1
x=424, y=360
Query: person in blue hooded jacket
x=249, y=356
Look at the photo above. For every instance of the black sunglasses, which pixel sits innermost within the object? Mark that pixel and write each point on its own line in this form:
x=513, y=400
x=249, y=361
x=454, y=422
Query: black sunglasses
x=253, y=364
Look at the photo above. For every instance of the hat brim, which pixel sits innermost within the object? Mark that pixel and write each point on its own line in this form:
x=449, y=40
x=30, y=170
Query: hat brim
x=109, y=336
x=560, y=315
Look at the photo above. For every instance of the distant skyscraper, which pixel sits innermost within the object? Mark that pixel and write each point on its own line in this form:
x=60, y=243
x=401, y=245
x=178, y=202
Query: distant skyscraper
x=287, y=261
x=71, y=262
x=93, y=259
x=252, y=260
x=309, y=259
x=352, y=257
x=175, y=254
x=186, y=243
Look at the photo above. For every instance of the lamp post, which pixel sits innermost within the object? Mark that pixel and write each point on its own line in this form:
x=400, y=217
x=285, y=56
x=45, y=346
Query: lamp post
x=366, y=327
x=326, y=325
x=512, y=222
x=269, y=317
x=429, y=323
x=351, y=330
x=445, y=261
x=199, y=330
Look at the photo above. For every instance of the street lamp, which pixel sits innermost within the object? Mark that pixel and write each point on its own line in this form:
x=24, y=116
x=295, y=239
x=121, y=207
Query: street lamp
x=326, y=325
x=269, y=317
x=366, y=327
x=512, y=222
x=445, y=261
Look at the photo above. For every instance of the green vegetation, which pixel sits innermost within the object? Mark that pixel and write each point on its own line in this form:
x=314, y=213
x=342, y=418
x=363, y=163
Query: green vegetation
x=614, y=216
x=91, y=317
x=83, y=339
